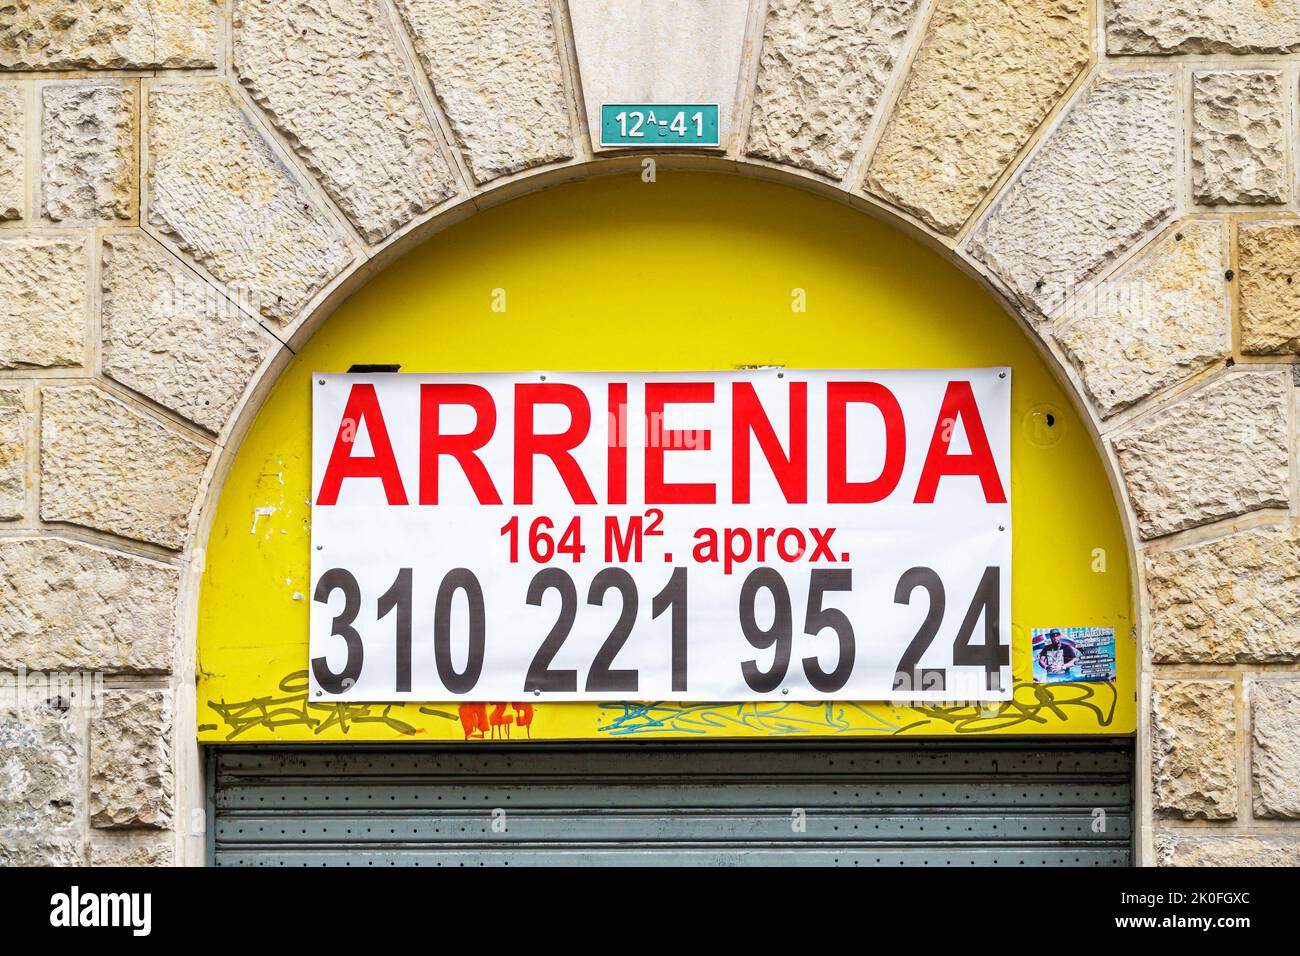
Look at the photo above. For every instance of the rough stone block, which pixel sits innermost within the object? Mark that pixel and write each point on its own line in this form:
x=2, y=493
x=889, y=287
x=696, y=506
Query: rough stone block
x=1238, y=151
x=42, y=778
x=173, y=337
x=1202, y=26
x=495, y=69
x=109, y=34
x=13, y=136
x=68, y=606
x=1200, y=848
x=1220, y=451
x=106, y=466
x=88, y=153
x=14, y=418
x=1234, y=599
x=1268, y=256
x=822, y=70
x=1102, y=179
x=1193, y=749
x=30, y=851
x=986, y=75
x=1275, y=757
x=44, y=283
x=220, y=192
x=330, y=77
x=131, y=777
x=1156, y=323
x=132, y=854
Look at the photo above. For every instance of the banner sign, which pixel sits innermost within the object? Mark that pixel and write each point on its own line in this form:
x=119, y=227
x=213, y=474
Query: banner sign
x=764, y=534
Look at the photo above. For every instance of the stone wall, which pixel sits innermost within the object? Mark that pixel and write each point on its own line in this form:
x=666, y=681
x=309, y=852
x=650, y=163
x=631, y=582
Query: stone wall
x=188, y=187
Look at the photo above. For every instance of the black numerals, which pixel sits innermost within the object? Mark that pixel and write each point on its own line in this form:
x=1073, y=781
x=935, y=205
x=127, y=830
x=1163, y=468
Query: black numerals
x=780, y=635
x=459, y=682
x=765, y=614
x=340, y=579
x=906, y=675
x=399, y=597
x=818, y=619
x=991, y=655
x=673, y=599
x=986, y=605
x=602, y=677
x=540, y=674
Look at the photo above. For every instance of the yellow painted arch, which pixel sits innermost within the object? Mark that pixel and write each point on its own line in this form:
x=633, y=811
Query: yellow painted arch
x=695, y=271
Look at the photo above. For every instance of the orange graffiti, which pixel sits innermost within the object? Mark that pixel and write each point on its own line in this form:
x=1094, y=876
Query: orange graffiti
x=500, y=721
x=524, y=718
x=478, y=723
x=473, y=717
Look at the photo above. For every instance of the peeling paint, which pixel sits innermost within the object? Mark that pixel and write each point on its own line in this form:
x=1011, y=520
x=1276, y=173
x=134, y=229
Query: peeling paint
x=258, y=513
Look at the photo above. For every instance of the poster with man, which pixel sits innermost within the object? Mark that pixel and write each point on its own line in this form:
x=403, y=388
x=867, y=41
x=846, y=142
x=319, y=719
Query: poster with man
x=1063, y=654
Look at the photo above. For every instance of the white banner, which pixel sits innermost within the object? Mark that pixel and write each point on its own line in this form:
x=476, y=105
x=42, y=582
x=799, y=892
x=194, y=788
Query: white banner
x=706, y=536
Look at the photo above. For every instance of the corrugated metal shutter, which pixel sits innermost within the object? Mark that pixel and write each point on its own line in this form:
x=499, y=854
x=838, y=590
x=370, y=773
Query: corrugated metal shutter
x=1031, y=804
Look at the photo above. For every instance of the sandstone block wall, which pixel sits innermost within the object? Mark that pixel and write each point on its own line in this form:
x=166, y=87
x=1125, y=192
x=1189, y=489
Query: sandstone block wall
x=188, y=187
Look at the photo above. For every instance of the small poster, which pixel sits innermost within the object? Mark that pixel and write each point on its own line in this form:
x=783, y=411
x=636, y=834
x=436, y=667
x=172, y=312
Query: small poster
x=1063, y=654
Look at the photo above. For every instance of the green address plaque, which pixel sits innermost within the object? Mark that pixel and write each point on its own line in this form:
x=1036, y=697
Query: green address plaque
x=658, y=125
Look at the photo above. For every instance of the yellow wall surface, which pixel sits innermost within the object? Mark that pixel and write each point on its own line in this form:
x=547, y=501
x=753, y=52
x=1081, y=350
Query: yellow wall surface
x=695, y=271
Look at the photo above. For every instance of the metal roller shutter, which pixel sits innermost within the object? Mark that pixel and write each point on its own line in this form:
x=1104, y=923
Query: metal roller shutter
x=1020, y=804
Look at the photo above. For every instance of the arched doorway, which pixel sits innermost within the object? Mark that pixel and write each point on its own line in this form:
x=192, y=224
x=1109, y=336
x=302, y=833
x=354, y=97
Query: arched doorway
x=693, y=271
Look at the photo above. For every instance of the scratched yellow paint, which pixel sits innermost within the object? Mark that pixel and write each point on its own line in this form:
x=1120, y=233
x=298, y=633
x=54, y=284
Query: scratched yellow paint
x=693, y=272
